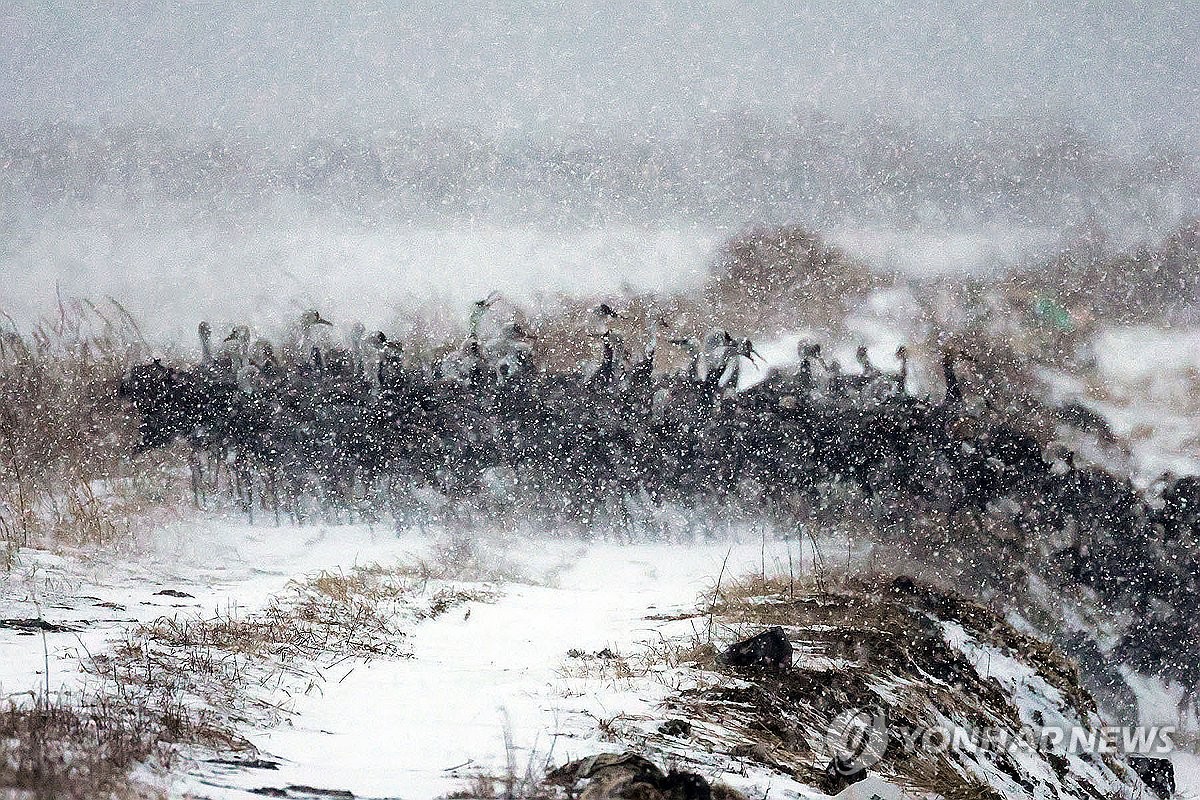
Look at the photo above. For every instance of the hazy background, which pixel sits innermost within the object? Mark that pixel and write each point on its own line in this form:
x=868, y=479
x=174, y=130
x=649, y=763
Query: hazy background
x=533, y=68
x=222, y=161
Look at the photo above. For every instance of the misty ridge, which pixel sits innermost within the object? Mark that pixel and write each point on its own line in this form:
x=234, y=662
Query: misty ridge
x=234, y=162
x=829, y=172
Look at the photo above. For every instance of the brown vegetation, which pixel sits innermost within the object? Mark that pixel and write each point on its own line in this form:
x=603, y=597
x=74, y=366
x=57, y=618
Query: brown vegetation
x=872, y=643
x=83, y=748
x=68, y=473
x=773, y=279
x=194, y=682
x=1144, y=284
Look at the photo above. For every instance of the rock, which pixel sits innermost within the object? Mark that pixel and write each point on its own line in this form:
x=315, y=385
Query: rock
x=252, y=763
x=297, y=792
x=685, y=786
x=172, y=593
x=755, y=752
x=586, y=768
x=31, y=625
x=1157, y=773
x=770, y=650
x=840, y=773
x=301, y=789
x=679, y=728
x=628, y=776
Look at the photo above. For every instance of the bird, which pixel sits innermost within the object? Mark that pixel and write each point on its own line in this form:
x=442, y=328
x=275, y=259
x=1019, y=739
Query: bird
x=863, y=357
x=479, y=310
x=605, y=311
x=205, y=332
x=954, y=393
x=237, y=347
x=313, y=317
x=307, y=339
x=902, y=376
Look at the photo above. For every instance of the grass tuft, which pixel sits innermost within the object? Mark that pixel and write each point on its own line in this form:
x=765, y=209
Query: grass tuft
x=69, y=471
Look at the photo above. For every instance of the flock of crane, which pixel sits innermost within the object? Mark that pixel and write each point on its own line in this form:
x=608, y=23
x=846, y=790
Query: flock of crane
x=303, y=427
x=367, y=429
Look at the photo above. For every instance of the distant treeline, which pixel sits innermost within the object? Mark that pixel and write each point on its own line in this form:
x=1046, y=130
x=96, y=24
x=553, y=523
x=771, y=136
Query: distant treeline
x=817, y=168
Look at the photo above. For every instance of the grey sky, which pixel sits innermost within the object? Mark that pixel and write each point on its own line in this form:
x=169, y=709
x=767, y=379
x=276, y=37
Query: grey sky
x=297, y=67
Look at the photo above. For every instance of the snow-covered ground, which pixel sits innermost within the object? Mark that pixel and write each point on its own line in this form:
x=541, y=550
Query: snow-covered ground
x=413, y=728
x=1146, y=384
x=490, y=684
x=480, y=676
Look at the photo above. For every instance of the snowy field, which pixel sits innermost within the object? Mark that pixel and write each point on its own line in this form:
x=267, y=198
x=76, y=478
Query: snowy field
x=480, y=677
x=489, y=685
x=171, y=272
x=270, y=526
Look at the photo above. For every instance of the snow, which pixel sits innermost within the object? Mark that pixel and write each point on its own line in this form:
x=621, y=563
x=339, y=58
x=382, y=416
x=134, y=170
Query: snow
x=922, y=251
x=1146, y=388
x=221, y=565
x=495, y=684
x=1038, y=705
x=401, y=727
x=267, y=272
x=239, y=166
x=1158, y=704
x=482, y=687
x=1152, y=354
x=397, y=727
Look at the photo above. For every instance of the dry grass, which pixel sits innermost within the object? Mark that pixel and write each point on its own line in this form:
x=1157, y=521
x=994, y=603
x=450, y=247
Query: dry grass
x=674, y=663
x=773, y=279
x=86, y=746
x=1145, y=284
x=512, y=785
x=323, y=619
x=521, y=779
x=865, y=602
x=605, y=666
x=67, y=470
x=193, y=682
x=861, y=642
